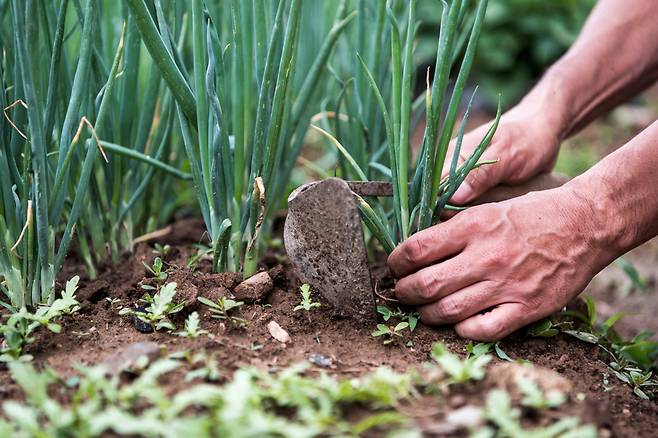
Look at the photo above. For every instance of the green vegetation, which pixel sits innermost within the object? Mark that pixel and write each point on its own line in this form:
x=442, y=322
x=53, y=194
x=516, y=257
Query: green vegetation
x=224, y=309
x=460, y=371
x=307, y=303
x=390, y=333
x=499, y=412
x=296, y=400
x=241, y=141
x=419, y=196
x=159, y=308
x=631, y=361
x=411, y=318
x=21, y=325
x=192, y=327
x=61, y=184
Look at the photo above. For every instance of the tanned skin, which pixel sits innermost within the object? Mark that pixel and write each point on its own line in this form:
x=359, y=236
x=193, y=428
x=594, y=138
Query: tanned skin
x=497, y=267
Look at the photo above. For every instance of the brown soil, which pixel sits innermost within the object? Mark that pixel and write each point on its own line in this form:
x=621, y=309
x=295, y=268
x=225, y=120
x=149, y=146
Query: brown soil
x=97, y=332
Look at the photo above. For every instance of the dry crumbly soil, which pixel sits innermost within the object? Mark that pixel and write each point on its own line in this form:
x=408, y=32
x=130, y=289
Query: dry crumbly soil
x=97, y=332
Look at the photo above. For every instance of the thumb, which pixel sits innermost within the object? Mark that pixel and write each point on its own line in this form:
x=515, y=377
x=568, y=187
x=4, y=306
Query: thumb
x=479, y=180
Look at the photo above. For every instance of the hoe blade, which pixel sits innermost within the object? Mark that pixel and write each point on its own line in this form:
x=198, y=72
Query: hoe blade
x=324, y=241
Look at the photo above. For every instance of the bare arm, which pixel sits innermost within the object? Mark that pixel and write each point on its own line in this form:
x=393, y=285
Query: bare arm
x=614, y=58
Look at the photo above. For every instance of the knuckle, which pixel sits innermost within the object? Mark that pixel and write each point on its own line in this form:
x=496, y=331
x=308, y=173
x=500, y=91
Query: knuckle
x=414, y=250
x=483, y=177
x=493, y=328
x=427, y=286
x=448, y=308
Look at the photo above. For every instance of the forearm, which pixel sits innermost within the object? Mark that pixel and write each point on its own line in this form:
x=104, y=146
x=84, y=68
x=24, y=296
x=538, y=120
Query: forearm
x=619, y=198
x=614, y=58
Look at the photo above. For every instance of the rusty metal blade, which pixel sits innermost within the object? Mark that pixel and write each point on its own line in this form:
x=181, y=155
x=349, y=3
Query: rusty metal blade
x=324, y=241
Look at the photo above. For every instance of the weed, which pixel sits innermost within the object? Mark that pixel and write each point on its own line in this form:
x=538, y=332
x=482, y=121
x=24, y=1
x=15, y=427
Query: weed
x=506, y=419
x=115, y=303
x=473, y=367
x=192, y=327
x=482, y=348
x=21, y=324
x=307, y=303
x=161, y=250
x=411, y=317
x=223, y=308
x=630, y=360
x=156, y=271
x=390, y=333
x=534, y=397
x=160, y=306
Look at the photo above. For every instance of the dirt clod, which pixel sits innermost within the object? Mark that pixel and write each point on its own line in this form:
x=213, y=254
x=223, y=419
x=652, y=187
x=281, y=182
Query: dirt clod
x=255, y=288
x=128, y=357
x=506, y=375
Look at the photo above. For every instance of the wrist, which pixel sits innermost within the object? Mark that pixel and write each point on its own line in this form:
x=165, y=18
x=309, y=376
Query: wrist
x=549, y=102
x=596, y=219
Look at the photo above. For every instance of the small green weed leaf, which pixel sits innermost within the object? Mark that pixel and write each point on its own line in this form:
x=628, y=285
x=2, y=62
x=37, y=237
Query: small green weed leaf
x=501, y=353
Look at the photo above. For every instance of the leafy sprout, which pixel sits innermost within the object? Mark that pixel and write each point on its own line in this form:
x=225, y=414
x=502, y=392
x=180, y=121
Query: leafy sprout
x=390, y=333
x=157, y=271
x=411, y=317
x=534, y=397
x=307, y=303
x=224, y=309
x=160, y=307
x=21, y=324
x=472, y=367
x=192, y=327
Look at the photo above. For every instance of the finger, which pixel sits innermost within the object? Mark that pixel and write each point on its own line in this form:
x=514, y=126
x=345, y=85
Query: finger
x=481, y=179
x=496, y=324
x=435, y=282
x=429, y=246
x=459, y=306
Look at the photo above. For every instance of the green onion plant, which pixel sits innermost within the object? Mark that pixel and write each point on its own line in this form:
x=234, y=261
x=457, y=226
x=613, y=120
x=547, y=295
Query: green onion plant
x=420, y=192
x=61, y=183
x=243, y=101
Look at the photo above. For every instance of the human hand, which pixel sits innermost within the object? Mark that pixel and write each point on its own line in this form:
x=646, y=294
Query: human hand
x=525, y=145
x=517, y=261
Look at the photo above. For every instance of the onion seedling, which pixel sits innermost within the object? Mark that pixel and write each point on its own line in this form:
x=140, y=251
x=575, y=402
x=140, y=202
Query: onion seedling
x=58, y=179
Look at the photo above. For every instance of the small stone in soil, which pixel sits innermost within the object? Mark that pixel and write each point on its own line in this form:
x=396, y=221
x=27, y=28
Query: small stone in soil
x=129, y=357
x=255, y=288
x=140, y=325
x=277, y=332
x=320, y=360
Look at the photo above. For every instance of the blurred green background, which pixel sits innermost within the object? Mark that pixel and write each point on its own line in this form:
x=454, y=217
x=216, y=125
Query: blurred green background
x=520, y=39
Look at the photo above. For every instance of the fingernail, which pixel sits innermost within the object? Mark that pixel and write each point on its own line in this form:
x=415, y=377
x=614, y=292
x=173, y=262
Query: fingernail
x=463, y=194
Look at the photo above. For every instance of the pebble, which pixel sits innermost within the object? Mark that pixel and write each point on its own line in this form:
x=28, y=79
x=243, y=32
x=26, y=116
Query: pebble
x=140, y=325
x=320, y=360
x=277, y=332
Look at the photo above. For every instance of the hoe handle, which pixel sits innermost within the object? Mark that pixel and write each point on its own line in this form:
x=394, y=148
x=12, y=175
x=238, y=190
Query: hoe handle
x=543, y=181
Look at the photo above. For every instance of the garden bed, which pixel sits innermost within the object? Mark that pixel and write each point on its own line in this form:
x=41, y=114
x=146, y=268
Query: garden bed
x=97, y=332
